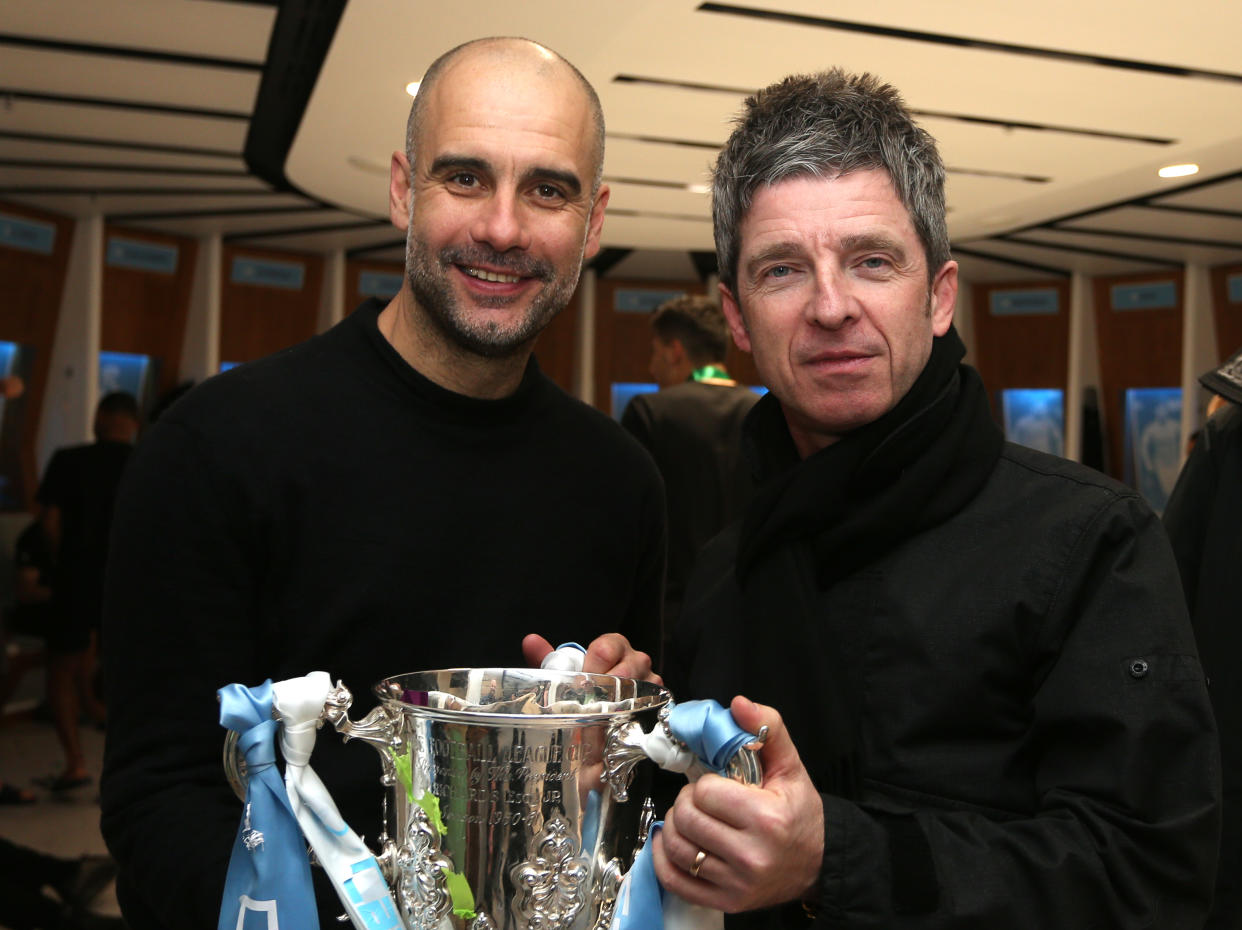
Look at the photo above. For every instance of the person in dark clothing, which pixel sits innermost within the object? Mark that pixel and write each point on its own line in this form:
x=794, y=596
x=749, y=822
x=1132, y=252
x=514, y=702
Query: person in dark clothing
x=985, y=704
x=25, y=876
x=76, y=499
x=692, y=427
x=1204, y=521
x=406, y=491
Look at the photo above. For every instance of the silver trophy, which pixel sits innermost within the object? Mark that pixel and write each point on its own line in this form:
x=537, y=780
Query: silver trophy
x=512, y=793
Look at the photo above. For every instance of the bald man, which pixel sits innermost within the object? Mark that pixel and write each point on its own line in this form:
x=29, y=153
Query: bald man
x=406, y=491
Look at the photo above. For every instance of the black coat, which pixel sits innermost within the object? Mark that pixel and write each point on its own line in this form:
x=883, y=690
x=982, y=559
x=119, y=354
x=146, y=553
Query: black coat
x=1037, y=747
x=1204, y=520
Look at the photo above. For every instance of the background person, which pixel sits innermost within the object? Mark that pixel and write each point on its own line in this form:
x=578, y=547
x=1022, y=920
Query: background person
x=692, y=427
x=1204, y=520
x=406, y=491
x=77, y=498
x=962, y=646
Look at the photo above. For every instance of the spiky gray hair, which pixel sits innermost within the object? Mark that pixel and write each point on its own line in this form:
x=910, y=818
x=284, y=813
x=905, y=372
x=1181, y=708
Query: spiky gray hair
x=826, y=125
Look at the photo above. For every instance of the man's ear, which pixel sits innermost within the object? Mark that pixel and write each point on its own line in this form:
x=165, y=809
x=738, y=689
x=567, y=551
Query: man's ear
x=399, y=191
x=733, y=315
x=944, y=298
x=595, y=223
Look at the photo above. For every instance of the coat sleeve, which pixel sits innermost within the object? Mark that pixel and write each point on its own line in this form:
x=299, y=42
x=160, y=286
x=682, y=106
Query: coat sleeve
x=1125, y=820
x=179, y=623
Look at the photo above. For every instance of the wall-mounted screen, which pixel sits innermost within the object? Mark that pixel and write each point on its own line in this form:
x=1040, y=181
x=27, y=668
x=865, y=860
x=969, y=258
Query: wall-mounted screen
x=1035, y=417
x=1153, y=442
x=122, y=371
x=625, y=391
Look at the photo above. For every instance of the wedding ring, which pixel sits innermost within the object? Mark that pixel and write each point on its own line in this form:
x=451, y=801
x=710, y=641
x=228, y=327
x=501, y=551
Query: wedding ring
x=698, y=863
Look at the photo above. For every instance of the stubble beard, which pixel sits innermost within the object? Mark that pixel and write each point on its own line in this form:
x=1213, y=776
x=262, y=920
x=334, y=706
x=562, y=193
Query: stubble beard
x=430, y=284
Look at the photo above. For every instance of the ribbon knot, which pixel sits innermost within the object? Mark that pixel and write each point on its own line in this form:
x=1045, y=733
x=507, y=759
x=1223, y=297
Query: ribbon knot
x=269, y=871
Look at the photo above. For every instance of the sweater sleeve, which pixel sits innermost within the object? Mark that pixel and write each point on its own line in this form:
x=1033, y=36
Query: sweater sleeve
x=179, y=622
x=1124, y=829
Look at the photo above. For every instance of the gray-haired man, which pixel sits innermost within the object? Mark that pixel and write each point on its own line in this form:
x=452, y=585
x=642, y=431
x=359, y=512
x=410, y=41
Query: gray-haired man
x=979, y=651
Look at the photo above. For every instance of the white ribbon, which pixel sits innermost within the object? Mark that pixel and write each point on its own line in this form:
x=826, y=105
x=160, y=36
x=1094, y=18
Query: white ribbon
x=350, y=865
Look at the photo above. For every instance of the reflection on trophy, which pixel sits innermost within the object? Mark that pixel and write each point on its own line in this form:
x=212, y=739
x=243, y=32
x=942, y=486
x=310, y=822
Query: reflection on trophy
x=517, y=798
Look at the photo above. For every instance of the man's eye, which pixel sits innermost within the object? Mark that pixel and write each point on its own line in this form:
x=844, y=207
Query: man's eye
x=548, y=192
x=875, y=263
x=465, y=179
x=779, y=271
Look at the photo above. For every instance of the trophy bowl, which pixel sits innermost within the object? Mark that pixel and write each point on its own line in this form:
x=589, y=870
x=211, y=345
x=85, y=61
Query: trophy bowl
x=508, y=802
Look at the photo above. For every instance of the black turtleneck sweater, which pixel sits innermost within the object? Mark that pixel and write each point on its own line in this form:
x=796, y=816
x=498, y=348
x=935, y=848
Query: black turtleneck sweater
x=330, y=508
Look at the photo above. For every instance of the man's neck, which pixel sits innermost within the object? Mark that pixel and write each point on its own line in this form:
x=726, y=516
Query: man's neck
x=429, y=352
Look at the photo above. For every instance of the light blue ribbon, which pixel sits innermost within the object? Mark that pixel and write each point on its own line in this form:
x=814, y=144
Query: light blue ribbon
x=710, y=732
x=641, y=903
x=269, y=882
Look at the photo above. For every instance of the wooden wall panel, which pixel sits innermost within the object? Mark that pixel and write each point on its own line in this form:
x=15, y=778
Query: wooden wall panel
x=1138, y=348
x=623, y=339
x=32, y=286
x=144, y=312
x=556, y=346
x=1021, y=350
x=1226, y=314
x=257, y=320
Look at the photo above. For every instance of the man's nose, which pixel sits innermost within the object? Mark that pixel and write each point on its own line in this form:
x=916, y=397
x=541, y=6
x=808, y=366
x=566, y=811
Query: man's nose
x=832, y=302
x=501, y=223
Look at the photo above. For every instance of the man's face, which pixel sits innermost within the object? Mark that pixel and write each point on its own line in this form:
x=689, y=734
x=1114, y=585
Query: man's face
x=833, y=300
x=502, y=214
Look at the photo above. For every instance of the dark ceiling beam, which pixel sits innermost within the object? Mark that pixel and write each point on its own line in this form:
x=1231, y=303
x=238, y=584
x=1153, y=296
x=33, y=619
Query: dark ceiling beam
x=608, y=259
x=1129, y=202
x=8, y=93
x=135, y=191
x=1084, y=250
x=1150, y=237
x=704, y=265
x=304, y=230
x=299, y=44
x=1015, y=262
x=137, y=54
x=967, y=42
x=127, y=168
x=360, y=251
x=119, y=144
x=208, y=214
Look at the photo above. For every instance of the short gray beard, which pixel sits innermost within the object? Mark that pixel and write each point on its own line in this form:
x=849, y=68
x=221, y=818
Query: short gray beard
x=428, y=277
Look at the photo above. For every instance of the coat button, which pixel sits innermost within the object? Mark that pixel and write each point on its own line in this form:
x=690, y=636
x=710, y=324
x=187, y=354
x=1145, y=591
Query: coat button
x=1138, y=668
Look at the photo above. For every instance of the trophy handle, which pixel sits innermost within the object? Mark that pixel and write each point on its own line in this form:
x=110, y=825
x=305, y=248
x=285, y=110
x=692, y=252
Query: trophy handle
x=376, y=728
x=626, y=746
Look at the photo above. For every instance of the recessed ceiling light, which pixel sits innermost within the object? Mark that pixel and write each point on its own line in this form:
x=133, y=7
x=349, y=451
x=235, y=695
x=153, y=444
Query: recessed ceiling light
x=1178, y=171
x=412, y=87
x=698, y=188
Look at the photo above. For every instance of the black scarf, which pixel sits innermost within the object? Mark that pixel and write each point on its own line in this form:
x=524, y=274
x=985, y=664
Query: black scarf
x=812, y=523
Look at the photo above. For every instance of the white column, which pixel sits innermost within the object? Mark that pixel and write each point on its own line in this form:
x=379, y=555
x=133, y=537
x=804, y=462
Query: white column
x=1084, y=361
x=332, y=296
x=1198, y=346
x=73, y=377
x=200, y=348
x=584, y=350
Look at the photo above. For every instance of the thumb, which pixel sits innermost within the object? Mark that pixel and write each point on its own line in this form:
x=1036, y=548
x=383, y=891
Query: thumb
x=534, y=649
x=779, y=755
